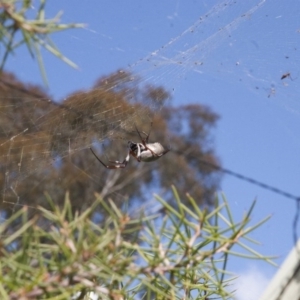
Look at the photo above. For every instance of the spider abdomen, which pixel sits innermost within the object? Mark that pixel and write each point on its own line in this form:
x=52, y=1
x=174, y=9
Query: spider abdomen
x=154, y=152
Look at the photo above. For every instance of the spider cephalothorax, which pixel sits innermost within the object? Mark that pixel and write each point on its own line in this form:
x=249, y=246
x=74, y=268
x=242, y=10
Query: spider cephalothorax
x=143, y=151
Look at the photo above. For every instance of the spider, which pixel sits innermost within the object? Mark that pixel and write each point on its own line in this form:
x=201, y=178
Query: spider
x=143, y=151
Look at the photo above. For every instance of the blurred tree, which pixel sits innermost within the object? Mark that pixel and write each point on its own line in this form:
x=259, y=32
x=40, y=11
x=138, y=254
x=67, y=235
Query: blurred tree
x=44, y=146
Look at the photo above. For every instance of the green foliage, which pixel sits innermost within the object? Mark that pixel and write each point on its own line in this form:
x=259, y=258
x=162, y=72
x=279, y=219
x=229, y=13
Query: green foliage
x=17, y=28
x=181, y=255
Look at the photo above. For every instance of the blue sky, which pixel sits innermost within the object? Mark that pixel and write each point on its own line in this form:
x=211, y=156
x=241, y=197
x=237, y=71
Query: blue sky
x=240, y=61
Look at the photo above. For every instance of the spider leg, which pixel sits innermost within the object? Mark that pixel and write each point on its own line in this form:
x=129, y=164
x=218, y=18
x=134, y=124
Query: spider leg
x=138, y=156
x=139, y=133
x=149, y=132
x=154, y=154
x=146, y=134
x=166, y=151
x=145, y=141
x=117, y=164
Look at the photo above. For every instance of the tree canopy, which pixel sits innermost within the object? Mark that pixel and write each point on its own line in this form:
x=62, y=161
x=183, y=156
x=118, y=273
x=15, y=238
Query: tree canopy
x=44, y=145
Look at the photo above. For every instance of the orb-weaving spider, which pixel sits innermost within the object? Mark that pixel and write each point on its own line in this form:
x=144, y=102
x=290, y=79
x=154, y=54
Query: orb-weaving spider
x=143, y=151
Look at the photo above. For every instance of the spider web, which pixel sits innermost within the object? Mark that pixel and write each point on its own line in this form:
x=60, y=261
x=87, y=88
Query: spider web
x=222, y=45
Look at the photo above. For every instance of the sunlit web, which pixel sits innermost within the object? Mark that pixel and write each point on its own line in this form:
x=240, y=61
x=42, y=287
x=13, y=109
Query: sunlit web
x=222, y=43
